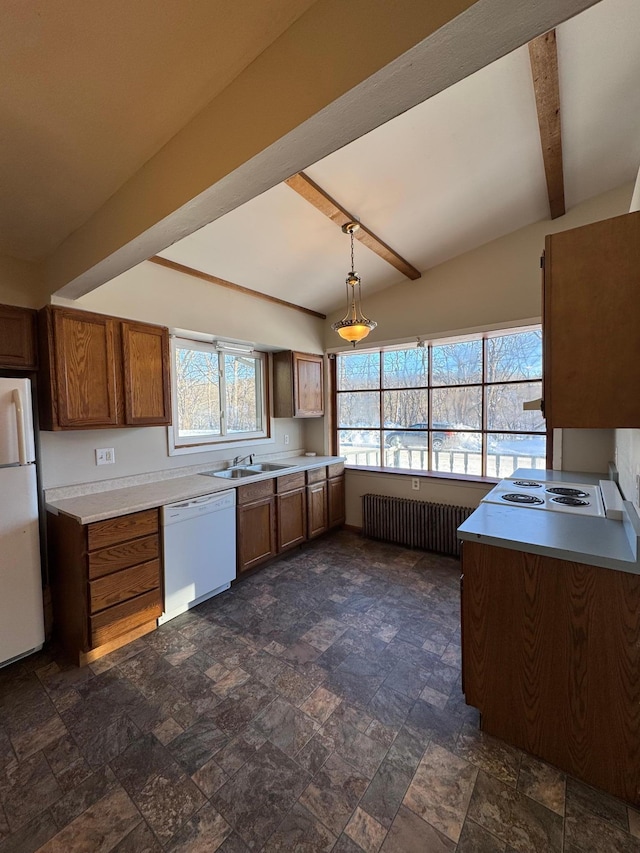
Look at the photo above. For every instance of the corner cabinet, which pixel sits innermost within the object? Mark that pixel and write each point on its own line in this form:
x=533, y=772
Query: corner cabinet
x=298, y=385
x=591, y=319
x=18, y=346
x=106, y=581
x=101, y=371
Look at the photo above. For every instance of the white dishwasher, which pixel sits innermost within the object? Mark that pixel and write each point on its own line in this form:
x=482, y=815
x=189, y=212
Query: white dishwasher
x=199, y=538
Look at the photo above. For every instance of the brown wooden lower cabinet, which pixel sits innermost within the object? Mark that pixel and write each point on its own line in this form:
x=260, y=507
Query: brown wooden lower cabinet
x=336, y=502
x=255, y=524
x=292, y=518
x=106, y=581
x=551, y=658
x=317, y=522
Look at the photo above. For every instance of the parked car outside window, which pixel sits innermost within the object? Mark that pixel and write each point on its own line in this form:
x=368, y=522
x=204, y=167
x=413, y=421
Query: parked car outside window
x=409, y=438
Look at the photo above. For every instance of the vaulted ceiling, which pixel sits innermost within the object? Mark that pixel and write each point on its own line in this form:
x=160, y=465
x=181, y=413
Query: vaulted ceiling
x=126, y=126
x=456, y=171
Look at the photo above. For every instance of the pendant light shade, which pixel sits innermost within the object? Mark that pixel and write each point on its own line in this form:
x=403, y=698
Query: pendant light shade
x=354, y=326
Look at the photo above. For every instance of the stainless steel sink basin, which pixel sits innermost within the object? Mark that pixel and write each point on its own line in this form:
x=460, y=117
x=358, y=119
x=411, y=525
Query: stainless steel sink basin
x=230, y=473
x=264, y=467
x=241, y=471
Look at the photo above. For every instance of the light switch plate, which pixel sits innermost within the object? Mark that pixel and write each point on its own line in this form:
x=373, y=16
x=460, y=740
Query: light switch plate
x=105, y=456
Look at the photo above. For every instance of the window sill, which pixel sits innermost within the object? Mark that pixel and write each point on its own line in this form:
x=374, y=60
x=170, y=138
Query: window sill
x=427, y=475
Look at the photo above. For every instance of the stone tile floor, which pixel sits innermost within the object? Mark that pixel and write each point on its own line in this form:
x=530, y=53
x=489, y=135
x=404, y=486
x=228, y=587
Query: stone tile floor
x=314, y=707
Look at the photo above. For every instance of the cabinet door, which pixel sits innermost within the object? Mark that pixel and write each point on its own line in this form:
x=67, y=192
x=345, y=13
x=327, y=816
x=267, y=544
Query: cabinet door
x=316, y=509
x=256, y=533
x=86, y=365
x=17, y=337
x=336, y=501
x=292, y=518
x=308, y=387
x=591, y=322
x=550, y=658
x=145, y=358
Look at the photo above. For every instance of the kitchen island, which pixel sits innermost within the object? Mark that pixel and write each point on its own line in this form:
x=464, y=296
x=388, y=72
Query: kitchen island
x=551, y=636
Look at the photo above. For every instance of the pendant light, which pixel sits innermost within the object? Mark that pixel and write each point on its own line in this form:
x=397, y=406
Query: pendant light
x=354, y=326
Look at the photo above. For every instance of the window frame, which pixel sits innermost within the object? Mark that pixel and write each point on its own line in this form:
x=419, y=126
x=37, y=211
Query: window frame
x=483, y=385
x=203, y=443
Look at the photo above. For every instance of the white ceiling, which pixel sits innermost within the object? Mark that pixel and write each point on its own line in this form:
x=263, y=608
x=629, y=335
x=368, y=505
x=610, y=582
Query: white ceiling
x=457, y=171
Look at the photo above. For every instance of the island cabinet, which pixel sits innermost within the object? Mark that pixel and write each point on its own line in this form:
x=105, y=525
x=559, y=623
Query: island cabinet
x=256, y=524
x=101, y=371
x=298, y=387
x=551, y=657
x=317, y=502
x=291, y=510
x=106, y=581
x=18, y=344
x=591, y=317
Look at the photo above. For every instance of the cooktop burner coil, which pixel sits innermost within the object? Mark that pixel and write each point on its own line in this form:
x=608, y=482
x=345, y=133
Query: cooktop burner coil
x=567, y=492
x=527, y=484
x=570, y=501
x=519, y=498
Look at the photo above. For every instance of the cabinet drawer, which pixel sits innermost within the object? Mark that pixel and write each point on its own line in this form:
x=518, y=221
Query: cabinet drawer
x=121, y=586
x=255, y=491
x=100, y=534
x=289, y=482
x=121, y=618
x=317, y=475
x=110, y=560
x=336, y=469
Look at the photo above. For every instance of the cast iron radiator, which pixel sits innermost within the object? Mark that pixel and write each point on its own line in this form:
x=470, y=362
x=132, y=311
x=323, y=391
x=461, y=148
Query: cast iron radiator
x=416, y=524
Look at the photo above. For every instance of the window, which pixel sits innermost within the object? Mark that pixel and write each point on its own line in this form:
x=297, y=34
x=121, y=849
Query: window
x=454, y=407
x=217, y=396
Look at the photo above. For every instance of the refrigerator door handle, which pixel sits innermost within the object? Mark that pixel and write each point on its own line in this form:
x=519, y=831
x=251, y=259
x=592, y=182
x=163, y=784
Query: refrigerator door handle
x=20, y=426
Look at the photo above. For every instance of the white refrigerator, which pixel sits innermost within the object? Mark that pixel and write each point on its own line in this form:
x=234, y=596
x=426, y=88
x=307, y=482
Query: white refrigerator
x=21, y=613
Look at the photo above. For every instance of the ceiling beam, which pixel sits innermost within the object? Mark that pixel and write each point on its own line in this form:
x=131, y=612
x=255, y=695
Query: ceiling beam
x=322, y=201
x=543, y=55
x=221, y=282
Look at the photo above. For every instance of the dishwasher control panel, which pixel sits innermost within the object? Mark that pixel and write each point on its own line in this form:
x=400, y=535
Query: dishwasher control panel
x=193, y=507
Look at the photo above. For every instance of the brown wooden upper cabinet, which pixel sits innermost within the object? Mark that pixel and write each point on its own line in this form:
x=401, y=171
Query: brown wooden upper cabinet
x=591, y=324
x=18, y=337
x=101, y=371
x=298, y=386
x=145, y=362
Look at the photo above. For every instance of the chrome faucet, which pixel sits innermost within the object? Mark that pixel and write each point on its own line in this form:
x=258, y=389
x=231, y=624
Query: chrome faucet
x=238, y=459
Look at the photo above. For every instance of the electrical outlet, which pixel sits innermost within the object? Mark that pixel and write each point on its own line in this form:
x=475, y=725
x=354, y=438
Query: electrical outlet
x=415, y=484
x=105, y=456
x=286, y=438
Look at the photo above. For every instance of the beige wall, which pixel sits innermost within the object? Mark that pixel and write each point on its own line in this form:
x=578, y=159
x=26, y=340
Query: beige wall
x=68, y=458
x=456, y=493
x=496, y=284
x=157, y=295
x=19, y=283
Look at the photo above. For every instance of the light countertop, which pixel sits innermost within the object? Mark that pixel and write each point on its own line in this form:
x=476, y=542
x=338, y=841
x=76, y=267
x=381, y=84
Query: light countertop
x=593, y=541
x=99, y=506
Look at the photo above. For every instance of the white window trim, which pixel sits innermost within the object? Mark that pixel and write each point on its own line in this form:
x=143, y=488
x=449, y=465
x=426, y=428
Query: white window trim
x=205, y=444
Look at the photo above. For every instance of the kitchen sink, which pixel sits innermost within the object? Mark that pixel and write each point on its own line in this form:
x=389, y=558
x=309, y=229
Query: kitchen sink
x=230, y=473
x=264, y=467
x=241, y=471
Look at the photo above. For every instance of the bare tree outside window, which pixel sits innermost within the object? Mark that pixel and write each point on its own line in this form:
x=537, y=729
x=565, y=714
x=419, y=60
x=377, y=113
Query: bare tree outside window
x=455, y=406
x=216, y=394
